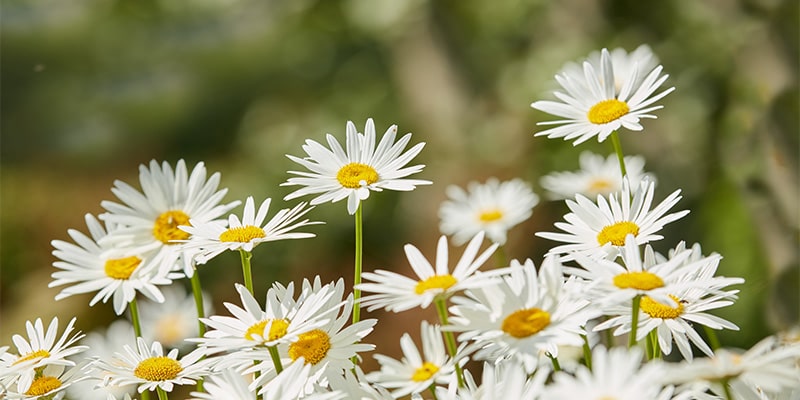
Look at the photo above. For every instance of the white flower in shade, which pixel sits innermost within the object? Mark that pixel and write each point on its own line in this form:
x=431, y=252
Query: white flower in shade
x=93, y=265
x=337, y=174
x=616, y=373
x=493, y=207
x=173, y=321
x=209, y=239
x=396, y=292
x=103, y=344
x=40, y=353
x=228, y=385
x=150, y=219
x=675, y=320
x=592, y=105
x=148, y=367
x=504, y=380
x=353, y=384
x=635, y=64
x=523, y=315
x=598, y=176
x=49, y=384
x=417, y=371
x=598, y=230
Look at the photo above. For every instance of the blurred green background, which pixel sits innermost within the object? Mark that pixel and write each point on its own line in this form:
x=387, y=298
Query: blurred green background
x=91, y=89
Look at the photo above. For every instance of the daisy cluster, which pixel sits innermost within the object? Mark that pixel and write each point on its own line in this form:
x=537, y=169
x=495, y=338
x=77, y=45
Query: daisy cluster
x=602, y=316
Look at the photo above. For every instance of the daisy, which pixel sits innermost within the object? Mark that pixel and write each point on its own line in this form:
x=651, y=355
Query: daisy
x=228, y=384
x=597, y=176
x=396, y=292
x=521, y=316
x=91, y=264
x=173, y=321
x=353, y=384
x=150, y=220
x=592, y=106
x=41, y=353
x=598, y=230
x=505, y=380
x=50, y=384
x=493, y=207
x=209, y=239
x=625, y=65
x=336, y=174
x=103, y=344
x=148, y=367
x=416, y=372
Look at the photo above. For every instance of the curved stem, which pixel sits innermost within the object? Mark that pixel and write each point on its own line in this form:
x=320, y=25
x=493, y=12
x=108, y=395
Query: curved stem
x=358, y=262
x=634, y=320
x=137, y=326
x=449, y=338
x=618, y=150
x=246, y=270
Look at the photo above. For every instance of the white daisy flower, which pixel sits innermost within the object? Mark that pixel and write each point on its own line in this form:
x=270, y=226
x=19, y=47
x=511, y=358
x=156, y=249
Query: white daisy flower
x=50, y=385
x=103, y=344
x=148, y=367
x=150, y=220
x=504, y=380
x=41, y=353
x=336, y=174
x=416, y=372
x=209, y=239
x=173, y=321
x=94, y=265
x=228, y=385
x=396, y=292
x=493, y=207
x=635, y=64
x=598, y=230
x=521, y=316
x=592, y=106
x=353, y=384
x=597, y=176
x=617, y=373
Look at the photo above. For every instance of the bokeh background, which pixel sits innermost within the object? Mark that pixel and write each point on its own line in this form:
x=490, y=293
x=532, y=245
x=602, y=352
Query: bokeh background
x=93, y=88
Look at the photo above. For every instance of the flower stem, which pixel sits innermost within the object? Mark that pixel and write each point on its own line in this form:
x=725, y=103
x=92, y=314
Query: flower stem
x=357, y=271
x=137, y=326
x=653, y=348
x=162, y=395
x=727, y=389
x=432, y=388
x=587, y=352
x=500, y=257
x=449, y=338
x=197, y=291
x=556, y=364
x=713, y=340
x=246, y=271
x=276, y=358
x=618, y=150
x=634, y=320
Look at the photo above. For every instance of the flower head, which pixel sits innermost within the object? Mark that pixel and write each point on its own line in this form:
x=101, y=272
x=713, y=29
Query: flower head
x=597, y=176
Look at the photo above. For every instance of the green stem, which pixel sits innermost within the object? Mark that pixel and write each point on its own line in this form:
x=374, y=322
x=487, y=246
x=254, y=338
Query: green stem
x=246, y=271
x=162, y=395
x=432, y=388
x=197, y=291
x=713, y=340
x=556, y=365
x=357, y=271
x=587, y=352
x=137, y=326
x=653, y=348
x=618, y=150
x=634, y=320
x=500, y=257
x=276, y=358
x=727, y=389
x=449, y=338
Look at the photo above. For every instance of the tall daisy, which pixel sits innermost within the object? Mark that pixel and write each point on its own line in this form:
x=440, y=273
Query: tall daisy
x=49, y=385
x=173, y=321
x=592, y=106
x=493, y=207
x=103, y=344
x=599, y=229
x=598, y=175
x=626, y=65
x=150, y=219
x=336, y=174
x=396, y=292
x=92, y=264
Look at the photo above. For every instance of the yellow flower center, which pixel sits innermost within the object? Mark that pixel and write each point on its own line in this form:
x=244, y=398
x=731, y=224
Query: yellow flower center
x=523, y=323
x=121, y=268
x=166, y=227
x=616, y=233
x=607, y=111
x=242, y=234
x=435, y=282
x=313, y=346
x=32, y=355
x=168, y=331
x=158, y=369
x=43, y=384
x=641, y=280
x=600, y=186
x=490, y=215
x=276, y=331
x=351, y=175
x=658, y=310
x=424, y=372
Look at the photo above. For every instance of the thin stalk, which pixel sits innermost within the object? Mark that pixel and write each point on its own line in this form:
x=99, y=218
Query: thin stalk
x=246, y=270
x=727, y=389
x=358, y=262
x=449, y=338
x=276, y=358
x=587, y=352
x=618, y=150
x=634, y=320
x=653, y=348
x=713, y=340
x=432, y=388
x=500, y=257
x=162, y=395
x=137, y=326
x=556, y=364
x=197, y=291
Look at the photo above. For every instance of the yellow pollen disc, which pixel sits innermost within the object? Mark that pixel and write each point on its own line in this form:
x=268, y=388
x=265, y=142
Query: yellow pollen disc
x=435, y=282
x=638, y=280
x=167, y=331
x=313, y=346
x=658, y=310
x=599, y=186
x=424, y=372
x=121, y=268
x=242, y=234
x=276, y=331
x=351, y=175
x=166, y=227
x=42, y=385
x=523, y=323
x=490, y=215
x=31, y=356
x=158, y=369
x=607, y=111
x=616, y=233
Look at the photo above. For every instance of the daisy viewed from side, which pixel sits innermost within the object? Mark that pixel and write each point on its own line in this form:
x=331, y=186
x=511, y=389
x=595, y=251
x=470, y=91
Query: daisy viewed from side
x=599, y=229
x=598, y=175
x=494, y=207
x=337, y=173
x=396, y=292
x=592, y=106
x=173, y=321
x=103, y=344
x=50, y=384
x=626, y=65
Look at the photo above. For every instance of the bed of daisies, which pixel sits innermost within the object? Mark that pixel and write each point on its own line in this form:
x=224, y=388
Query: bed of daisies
x=602, y=316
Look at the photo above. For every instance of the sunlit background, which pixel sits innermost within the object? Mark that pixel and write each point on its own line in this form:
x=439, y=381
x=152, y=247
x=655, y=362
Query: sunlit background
x=93, y=88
